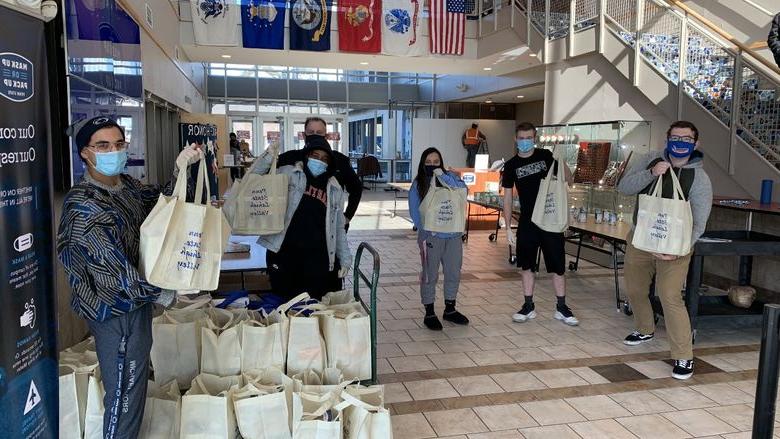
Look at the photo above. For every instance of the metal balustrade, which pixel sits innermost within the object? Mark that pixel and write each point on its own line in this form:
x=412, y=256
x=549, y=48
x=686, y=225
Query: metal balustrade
x=712, y=71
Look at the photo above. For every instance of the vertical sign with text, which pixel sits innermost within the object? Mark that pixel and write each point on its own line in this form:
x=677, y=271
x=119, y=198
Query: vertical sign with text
x=28, y=353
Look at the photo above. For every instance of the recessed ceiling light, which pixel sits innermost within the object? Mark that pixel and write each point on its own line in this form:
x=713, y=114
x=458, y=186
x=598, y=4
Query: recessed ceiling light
x=533, y=55
x=227, y=56
x=364, y=63
x=520, y=97
x=489, y=101
x=487, y=69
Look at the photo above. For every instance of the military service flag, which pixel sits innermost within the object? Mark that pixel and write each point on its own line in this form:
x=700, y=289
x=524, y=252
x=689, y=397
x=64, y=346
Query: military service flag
x=262, y=23
x=402, y=24
x=215, y=22
x=359, y=29
x=310, y=25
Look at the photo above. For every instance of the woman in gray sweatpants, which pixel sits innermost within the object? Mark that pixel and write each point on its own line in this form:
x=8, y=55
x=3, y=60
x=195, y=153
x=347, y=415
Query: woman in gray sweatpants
x=445, y=249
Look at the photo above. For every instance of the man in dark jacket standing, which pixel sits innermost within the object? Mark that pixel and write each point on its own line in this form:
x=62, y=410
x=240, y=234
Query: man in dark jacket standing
x=774, y=39
x=315, y=129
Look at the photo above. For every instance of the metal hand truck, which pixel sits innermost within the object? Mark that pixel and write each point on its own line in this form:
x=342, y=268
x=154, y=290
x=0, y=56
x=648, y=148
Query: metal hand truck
x=372, y=284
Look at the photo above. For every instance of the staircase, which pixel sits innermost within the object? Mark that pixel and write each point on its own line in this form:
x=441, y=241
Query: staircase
x=688, y=68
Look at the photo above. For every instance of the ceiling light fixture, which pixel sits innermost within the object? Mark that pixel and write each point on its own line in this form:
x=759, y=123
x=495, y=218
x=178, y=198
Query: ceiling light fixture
x=364, y=63
x=487, y=69
x=489, y=101
x=532, y=55
x=520, y=97
x=227, y=56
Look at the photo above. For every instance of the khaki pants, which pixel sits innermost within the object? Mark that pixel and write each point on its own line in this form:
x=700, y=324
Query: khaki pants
x=640, y=266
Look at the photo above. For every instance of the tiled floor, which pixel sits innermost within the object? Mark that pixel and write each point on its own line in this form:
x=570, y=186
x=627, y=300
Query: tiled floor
x=496, y=379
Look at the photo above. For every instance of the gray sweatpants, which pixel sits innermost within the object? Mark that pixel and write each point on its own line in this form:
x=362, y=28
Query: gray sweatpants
x=123, y=345
x=445, y=252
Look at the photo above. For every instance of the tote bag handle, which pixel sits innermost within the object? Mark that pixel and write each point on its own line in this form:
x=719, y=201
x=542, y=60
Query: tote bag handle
x=203, y=179
x=677, y=193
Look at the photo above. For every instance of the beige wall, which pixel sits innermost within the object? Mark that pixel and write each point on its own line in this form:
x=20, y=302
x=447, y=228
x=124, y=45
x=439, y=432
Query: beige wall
x=530, y=112
x=590, y=89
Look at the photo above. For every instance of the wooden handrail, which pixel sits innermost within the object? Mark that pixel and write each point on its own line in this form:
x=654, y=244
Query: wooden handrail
x=725, y=35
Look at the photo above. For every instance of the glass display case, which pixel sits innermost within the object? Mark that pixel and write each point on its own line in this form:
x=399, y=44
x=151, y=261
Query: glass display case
x=598, y=153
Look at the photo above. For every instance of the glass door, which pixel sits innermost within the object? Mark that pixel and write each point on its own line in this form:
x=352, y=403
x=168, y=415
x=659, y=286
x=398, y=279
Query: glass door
x=245, y=131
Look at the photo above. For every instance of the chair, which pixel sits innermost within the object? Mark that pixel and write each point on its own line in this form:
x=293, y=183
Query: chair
x=368, y=166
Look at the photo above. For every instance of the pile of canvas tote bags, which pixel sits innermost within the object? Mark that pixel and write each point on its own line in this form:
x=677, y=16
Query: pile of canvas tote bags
x=288, y=373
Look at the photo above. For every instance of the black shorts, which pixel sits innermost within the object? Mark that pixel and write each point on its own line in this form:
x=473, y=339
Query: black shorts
x=530, y=238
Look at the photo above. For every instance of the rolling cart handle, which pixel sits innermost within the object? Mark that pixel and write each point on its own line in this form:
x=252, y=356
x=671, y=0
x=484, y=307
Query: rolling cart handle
x=372, y=284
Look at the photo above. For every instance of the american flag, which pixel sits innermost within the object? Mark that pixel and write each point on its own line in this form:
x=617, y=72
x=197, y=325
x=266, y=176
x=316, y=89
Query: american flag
x=448, y=26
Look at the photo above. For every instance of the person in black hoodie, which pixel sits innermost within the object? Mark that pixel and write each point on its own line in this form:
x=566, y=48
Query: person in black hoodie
x=313, y=256
x=316, y=129
x=774, y=38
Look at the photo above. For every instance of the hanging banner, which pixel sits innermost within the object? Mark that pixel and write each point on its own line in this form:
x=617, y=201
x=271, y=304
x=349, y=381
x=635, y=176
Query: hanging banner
x=28, y=348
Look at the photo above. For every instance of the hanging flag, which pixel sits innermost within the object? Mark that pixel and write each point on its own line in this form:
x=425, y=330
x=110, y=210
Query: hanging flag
x=448, y=26
x=215, y=22
x=359, y=29
x=310, y=25
x=402, y=25
x=262, y=23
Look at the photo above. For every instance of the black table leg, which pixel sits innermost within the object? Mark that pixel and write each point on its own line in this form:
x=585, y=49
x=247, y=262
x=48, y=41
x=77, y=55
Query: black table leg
x=745, y=269
x=615, y=269
x=579, y=248
x=692, y=289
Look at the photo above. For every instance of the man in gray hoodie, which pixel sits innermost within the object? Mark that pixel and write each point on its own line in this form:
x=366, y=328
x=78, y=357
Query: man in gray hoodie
x=682, y=157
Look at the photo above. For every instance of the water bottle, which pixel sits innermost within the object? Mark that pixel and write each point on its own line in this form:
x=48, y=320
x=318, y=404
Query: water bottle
x=766, y=191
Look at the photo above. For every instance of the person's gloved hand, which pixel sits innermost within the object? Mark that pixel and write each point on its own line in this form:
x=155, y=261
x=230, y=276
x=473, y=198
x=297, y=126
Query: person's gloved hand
x=510, y=237
x=438, y=172
x=189, y=155
x=343, y=271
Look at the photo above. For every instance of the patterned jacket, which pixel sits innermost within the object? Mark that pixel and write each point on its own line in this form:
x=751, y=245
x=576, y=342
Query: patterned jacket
x=98, y=245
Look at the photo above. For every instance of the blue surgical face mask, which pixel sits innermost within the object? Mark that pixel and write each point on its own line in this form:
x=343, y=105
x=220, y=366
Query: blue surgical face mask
x=110, y=163
x=524, y=145
x=679, y=148
x=316, y=167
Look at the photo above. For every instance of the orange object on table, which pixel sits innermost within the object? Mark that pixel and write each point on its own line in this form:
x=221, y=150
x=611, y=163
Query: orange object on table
x=477, y=181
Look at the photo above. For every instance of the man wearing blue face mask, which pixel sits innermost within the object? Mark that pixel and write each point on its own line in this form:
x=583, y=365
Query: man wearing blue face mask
x=98, y=245
x=525, y=172
x=311, y=253
x=682, y=157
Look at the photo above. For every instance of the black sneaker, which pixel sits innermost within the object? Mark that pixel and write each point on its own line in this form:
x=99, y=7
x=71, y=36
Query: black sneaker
x=526, y=313
x=456, y=317
x=636, y=338
x=432, y=322
x=683, y=369
x=564, y=314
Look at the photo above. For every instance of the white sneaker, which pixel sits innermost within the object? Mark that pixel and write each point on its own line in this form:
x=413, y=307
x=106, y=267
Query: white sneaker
x=564, y=314
x=526, y=313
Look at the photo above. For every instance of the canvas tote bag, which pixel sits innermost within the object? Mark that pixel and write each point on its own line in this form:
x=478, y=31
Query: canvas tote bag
x=162, y=413
x=207, y=408
x=664, y=225
x=306, y=347
x=93, y=416
x=258, y=204
x=315, y=416
x=444, y=208
x=551, y=210
x=348, y=342
x=263, y=343
x=176, y=346
x=182, y=243
x=363, y=420
x=75, y=369
x=261, y=412
x=273, y=377
x=221, y=349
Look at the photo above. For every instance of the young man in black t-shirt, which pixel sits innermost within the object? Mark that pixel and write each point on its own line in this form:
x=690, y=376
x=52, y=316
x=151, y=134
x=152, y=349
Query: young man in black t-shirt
x=525, y=172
